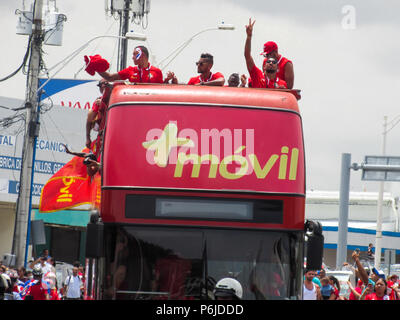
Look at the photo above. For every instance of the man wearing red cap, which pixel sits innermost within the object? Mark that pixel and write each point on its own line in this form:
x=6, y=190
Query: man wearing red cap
x=267, y=78
x=285, y=66
x=142, y=72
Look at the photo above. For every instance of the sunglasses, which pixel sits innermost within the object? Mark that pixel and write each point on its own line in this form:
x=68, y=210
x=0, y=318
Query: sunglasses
x=272, y=61
x=200, y=63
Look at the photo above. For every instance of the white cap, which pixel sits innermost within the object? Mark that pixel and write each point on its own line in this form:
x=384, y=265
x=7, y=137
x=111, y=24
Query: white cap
x=228, y=287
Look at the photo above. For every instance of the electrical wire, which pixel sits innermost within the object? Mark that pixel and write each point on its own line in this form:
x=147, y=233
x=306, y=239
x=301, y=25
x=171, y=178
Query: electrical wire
x=25, y=59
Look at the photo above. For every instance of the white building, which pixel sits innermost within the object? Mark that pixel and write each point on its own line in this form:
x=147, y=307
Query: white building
x=323, y=206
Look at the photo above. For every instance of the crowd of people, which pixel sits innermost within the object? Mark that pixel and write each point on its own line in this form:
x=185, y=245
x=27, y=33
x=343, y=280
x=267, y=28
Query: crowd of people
x=39, y=281
x=369, y=284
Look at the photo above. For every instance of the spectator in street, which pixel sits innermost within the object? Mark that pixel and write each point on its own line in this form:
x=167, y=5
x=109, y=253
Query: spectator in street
x=317, y=280
x=267, y=78
x=43, y=264
x=29, y=274
x=321, y=274
x=370, y=252
x=38, y=291
x=206, y=77
x=45, y=253
x=356, y=292
x=81, y=271
x=5, y=282
x=380, y=291
x=19, y=283
x=285, y=66
x=393, y=287
x=327, y=291
x=73, y=286
x=368, y=289
x=311, y=291
x=334, y=282
x=377, y=274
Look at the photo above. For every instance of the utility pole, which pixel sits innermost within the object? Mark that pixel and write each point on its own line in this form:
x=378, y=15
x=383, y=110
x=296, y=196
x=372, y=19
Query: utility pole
x=341, y=253
x=378, y=237
x=22, y=217
x=123, y=29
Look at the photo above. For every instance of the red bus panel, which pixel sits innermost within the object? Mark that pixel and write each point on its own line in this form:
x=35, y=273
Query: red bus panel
x=204, y=148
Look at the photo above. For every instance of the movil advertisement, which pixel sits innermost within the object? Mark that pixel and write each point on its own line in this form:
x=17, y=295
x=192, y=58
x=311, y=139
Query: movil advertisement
x=233, y=149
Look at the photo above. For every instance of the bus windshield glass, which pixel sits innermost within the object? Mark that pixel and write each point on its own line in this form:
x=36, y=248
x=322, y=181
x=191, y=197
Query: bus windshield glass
x=185, y=263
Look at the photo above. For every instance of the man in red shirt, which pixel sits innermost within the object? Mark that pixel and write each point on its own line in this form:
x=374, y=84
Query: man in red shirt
x=142, y=72
x=206, y=77
x=261, y=79
x=38, y=291
x=285, y=66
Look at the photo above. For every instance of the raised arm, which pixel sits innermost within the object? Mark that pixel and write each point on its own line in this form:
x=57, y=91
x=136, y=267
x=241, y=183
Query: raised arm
x=356, y=294
x=247, y=47
x=361, y=271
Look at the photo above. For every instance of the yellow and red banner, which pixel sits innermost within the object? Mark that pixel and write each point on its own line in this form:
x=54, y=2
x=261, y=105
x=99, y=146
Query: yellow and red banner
x=70, y=186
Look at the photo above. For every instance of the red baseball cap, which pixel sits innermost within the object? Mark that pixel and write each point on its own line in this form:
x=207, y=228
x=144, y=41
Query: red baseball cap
x=269, y=47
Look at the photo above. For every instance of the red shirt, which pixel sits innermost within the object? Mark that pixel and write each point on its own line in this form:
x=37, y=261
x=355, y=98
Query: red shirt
x=147, y=75
x=352, y=296
x=38, y=292
x=281, y=67
x=373, y=296
x=198, y=79
x=390, y=290
x=258, y=80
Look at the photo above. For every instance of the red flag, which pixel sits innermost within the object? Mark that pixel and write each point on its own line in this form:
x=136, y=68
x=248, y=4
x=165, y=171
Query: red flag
x=69, y=187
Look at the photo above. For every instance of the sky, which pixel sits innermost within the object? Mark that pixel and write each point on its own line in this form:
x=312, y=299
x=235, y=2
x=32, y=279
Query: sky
x=346, y=57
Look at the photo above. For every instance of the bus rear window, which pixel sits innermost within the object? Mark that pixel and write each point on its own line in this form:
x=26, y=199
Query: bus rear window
x=194, y=208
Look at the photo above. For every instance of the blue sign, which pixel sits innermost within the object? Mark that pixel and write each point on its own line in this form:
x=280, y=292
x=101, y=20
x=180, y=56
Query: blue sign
x=46, y=167
x=13, y=187
x=7, y=140
x=49, y=145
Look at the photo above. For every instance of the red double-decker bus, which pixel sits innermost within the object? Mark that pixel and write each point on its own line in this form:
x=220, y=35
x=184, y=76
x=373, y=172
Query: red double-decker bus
x=199, y=184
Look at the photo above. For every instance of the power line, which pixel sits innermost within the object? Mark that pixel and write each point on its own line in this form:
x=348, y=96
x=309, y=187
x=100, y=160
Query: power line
x=25, y=59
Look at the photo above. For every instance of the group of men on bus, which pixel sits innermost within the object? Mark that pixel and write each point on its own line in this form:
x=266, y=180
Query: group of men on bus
x=277, y=72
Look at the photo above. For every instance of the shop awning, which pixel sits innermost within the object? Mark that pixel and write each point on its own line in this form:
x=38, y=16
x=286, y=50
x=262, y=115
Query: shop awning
x=77, y=218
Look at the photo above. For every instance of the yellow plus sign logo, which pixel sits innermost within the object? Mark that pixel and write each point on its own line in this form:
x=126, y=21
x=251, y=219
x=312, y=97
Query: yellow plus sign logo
x=168, y=140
